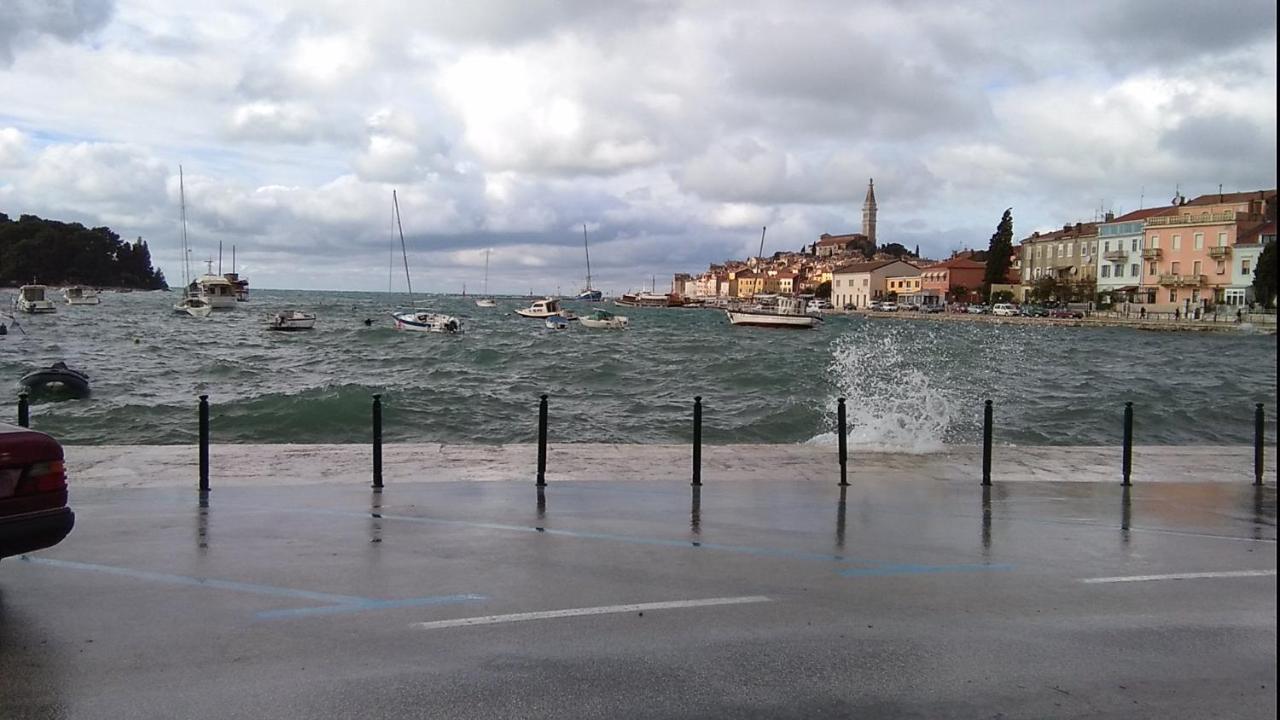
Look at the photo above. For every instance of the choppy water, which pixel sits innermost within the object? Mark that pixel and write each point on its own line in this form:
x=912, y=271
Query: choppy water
x=911, y=385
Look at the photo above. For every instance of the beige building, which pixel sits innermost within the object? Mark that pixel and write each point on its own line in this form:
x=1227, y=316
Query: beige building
x=858, y=284
x=1068, y=255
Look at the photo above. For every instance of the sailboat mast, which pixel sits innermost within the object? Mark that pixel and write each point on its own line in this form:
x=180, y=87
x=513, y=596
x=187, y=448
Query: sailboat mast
x=233, y=259
x=186, y=261
x=588, y=252
x=395, y=204
x=219, y=257
x=486, y=272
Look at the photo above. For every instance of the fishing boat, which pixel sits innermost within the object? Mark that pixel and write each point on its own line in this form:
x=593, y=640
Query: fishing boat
x=556, y=322
x=545, y=308
x=787, y=313
x=418, y=319
x=77, y=295
x=239, y=285
x=604, y=320
x=34, y=299
x=217, y=290
x=487, y=300
x=55, y=378
x=292, y=320
x=588, y=293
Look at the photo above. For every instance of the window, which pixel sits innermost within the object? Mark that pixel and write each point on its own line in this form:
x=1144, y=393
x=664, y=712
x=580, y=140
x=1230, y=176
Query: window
x=1155, y=241
x=1134, y=245
x=1153, y=269
x=1222, y=239
x=1195, y=296
x=1177, y=242
x=1119, y=270
x=1060, y=246
x=1222, y=267
x=1106, y=271
x=1175, y=267
x=1173, y=296
x=1244, y=266
x=1106, y=246
x=1133, y=270
x=1199, y=241
x=1195, y=268
x=1070, y=248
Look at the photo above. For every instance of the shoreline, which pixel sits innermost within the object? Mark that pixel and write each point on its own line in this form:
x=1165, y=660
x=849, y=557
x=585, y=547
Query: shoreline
x=1157, y=325
x=175, y=466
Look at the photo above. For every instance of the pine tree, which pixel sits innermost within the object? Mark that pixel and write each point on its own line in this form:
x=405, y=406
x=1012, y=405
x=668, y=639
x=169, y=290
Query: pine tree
x=998, y=252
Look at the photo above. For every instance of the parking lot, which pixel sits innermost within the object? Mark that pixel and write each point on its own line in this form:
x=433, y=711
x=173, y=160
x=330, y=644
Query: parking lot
x=644, y=599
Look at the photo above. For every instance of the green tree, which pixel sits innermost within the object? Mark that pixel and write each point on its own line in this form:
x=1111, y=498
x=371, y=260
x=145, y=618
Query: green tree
x=823, y=290
x=998, y=252
x=1264, y=277
x=1045, y=289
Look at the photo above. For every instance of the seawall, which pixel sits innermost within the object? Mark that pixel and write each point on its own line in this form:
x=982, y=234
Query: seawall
x=121, y=466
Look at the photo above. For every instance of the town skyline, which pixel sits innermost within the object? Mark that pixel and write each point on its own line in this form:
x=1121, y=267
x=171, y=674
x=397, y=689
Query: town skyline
x=673, y=130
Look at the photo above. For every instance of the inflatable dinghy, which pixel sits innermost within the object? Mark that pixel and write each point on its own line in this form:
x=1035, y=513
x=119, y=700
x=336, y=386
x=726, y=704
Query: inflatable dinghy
x=57, y=378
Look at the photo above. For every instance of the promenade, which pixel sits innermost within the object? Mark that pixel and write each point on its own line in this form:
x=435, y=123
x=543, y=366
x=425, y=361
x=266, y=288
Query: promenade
x=1165, y=322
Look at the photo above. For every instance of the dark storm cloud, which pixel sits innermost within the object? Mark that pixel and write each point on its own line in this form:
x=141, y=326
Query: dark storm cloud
x=1162, y=33
x=67, y=20
x=1228, y=147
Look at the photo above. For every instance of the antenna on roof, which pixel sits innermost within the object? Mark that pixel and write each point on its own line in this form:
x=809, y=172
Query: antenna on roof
x=1142, y=197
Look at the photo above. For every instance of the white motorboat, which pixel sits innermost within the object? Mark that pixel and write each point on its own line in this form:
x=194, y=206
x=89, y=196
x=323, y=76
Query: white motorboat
x=418, y=319
x=217, y=290
x=788, y=313
x=556, y=322
x=605, y=320
x=34, y=299
x=196, y=306
x=77, y=295
x=542, y=309
x=486, y=301
x=292, y=320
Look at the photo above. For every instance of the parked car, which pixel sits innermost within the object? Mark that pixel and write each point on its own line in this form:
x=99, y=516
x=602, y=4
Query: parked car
x=818, y=306
x=1065, y=313
x=888, y=306
x=850, y=306
x=976, y=309
x=1033, y=311
x=933, y=308
x=1004, y=309
x=33, y=492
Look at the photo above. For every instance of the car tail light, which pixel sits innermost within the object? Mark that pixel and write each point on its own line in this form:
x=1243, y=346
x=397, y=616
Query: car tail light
x=46, y=477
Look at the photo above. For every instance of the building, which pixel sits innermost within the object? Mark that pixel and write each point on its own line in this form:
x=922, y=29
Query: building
x=1244, y=263
x=782, y=282
x=1187, y=252
x=1066, y=255
x=857, y=284
x=956, y=280
x=1119, y=260
x=869, y=213
x=746, y=283
x=836, y=245
x=905, y=288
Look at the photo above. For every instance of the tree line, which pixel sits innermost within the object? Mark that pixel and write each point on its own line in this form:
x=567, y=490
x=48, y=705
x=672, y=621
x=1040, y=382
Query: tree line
x=33, y=249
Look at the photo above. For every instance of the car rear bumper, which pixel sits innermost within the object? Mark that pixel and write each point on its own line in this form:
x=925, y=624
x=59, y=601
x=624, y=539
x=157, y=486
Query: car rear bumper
x=34, y=531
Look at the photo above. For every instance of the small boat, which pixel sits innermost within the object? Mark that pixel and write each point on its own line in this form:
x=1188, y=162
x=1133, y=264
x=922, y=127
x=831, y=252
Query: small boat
x=418, y=320
x=542, y=309
x=292, y=320
x=605, y=320
x=34, y=299
x=556, y=322
x=588, y=293
x=487, y=300
x=193, y=304
x=77, y=295
x=216, y=290
x=55, y=378
x=788, y=313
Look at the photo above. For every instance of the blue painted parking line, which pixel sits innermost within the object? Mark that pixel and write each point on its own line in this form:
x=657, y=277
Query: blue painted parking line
x=334, y=604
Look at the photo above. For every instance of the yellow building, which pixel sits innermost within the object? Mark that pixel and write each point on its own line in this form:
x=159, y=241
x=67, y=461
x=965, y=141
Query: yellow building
x=749, y=283
x=902, y=285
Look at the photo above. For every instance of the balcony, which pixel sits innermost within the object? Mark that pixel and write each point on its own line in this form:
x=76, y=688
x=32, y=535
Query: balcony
x=1194, y=218
x=1182, y=280
x=1116, y=254
x=1220, y=252
x=1150, y=253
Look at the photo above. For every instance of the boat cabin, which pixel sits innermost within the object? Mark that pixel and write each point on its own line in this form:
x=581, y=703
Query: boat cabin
x=32, y=293
x=549, y=305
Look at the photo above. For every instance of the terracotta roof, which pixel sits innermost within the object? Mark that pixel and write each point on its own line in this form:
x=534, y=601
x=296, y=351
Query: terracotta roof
x=1236, y=197
x=828, y=240
x=863, y=267
x=961, y=263
x=1253, y=236
x=1144, y=214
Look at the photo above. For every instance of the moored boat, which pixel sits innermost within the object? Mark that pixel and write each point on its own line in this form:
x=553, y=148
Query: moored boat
x=556, y=322
x=788, y=313
x=418, y=319
x=605, y=320
x=486, y=301
x=34, y=299
x=292, y=320
x=77, y=295
x=57, y=377
x=545, y=308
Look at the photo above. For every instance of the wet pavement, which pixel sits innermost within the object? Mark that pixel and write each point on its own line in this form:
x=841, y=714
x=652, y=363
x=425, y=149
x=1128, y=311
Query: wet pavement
x=643, y=599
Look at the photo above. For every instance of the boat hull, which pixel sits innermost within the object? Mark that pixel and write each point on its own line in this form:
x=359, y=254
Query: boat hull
x=37, y=307
x=486, y=303
x=290, y=323
x=53, y=379
x=427, y=322
x=772, y=320
x=617, y=323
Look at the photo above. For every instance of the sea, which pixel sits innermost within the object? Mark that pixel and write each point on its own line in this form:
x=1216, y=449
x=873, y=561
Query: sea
x=911, y=386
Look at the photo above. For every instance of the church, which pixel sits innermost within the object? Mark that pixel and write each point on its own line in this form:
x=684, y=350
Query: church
x=863, y=243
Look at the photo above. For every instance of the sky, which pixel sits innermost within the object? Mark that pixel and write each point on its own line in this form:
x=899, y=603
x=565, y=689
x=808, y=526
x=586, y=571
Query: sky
x=673, y=131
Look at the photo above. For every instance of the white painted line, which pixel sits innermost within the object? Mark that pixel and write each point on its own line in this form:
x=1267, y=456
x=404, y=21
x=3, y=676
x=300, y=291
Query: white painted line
x=1182, y=576
x=578, y=612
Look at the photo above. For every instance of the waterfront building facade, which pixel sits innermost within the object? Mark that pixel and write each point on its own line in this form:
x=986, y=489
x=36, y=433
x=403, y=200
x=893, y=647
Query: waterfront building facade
x=1119, y=257
x=956, y=280
x=858, y=284
x=1244, y=263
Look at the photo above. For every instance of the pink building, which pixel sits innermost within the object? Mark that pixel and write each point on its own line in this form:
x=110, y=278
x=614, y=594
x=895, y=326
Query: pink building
x=939, y=283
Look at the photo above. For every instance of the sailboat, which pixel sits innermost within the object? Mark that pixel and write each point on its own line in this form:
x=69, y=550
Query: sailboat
x=418, y=319
x=192, y=302
x=486, y=300
x=588, y=293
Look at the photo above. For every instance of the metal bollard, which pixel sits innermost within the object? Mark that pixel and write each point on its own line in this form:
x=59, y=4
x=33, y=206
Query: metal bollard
x=1259, y=433
x=986, y=443
x=697, y=441
x=377, y=441
x=542, y=442
x=24, y=411
x=204, y=443
x=1128, y=442
x=842, y=440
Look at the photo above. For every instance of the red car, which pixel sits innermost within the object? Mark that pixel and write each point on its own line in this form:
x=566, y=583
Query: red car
x=1065, y=313
x=33, y=492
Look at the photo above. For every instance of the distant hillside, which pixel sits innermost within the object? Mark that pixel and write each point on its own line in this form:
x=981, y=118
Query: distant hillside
x=58, y=253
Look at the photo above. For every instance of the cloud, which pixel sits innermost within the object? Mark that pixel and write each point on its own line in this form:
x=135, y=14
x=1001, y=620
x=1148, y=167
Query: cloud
x=25, y=21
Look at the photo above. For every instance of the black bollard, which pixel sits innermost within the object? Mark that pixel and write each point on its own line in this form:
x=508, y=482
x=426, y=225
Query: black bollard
x=986, y=443
x=542, y=442
x=377, y=441
x=24, y=411
x=1259, y=433
x=842, y=440
x=697, y=441
x=1128, y=442
x=204, y=443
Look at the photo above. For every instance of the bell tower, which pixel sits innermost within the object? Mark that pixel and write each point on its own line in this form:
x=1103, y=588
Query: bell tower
x=869, y=212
